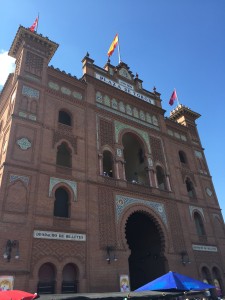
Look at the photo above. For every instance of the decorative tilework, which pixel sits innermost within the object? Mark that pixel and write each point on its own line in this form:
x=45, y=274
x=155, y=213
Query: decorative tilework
x=128, y=110
x=121, y=106
x=99, y=97
x=53, y=85
x=22, y=114
x=32, y=117
x=77, y=95
x=155, y=121
x=127, y=117
x=142, y=115
x=198, y=154
x=177, y=135
x=106, y=101
x=24, y=143
x=65, y=91
x=114, y=104
x=30, y=92
x=123, y=202
x=135, y=112
x=120, y=126
x=54, y=181
x=13, y=178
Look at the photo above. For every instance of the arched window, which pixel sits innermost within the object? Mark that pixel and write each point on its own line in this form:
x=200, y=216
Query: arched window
x=64, y=156
x=64, y=118
x=190, y=188
x=199, y=224
x=183, y=157
x=61, y=204
x=107, y=163
x=161, y=179
x=136, y=164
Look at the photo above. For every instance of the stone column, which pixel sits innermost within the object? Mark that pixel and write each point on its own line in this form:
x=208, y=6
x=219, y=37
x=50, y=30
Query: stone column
x=100, y=156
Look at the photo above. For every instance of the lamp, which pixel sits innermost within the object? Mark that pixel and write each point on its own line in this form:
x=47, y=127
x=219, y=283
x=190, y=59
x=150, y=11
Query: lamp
x=110, y=254
x=10, y=244
x=185, y=258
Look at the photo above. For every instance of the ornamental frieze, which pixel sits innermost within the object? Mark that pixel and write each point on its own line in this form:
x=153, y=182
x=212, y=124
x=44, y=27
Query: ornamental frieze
x=64, y=90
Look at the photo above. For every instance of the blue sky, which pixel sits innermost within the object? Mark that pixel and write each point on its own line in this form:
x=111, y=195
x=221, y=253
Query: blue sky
x=169, y=43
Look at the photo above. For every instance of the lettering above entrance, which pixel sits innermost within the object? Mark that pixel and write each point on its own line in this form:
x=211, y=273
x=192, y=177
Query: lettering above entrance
x=122, y=202
x=124, y=88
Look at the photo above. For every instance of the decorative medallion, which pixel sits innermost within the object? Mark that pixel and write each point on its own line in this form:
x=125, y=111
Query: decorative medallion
x=24, y=143
x=209, y=192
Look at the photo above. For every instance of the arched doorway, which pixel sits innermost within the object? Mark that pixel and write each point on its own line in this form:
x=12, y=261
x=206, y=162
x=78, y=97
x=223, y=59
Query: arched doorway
x=70, y=279
x=46, y=275
x=146, y=261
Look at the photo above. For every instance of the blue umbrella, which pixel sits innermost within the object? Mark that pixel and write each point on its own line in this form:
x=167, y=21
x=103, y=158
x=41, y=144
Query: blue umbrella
x=175, y=282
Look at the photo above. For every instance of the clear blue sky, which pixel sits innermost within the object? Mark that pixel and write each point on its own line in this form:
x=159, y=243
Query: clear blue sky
x=169, y=43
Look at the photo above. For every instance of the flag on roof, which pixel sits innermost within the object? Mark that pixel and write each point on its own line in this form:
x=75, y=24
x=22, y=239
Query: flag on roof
x=113, y=45
x=34, y=25
x=173, y=97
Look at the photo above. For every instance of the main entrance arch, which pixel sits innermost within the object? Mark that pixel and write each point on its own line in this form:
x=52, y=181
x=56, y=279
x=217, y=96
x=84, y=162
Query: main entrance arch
x=146, y=261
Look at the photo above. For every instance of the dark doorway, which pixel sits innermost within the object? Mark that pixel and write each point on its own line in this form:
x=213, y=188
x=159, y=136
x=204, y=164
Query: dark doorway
x=70, y=282
x=146, y=261
x=46, y=283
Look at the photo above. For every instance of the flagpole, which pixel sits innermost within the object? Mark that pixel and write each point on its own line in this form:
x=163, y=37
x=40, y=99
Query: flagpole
x=119, y=50
x=37, y=23
x=177, y=97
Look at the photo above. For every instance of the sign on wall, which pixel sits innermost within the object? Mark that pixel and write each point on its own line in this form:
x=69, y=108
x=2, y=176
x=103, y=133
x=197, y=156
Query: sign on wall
x=6, y=283
x=124, y=283
x=52, y=235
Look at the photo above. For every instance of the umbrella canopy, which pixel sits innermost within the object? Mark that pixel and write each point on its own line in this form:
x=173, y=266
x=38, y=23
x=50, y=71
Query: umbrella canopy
x=17, y=295
x=173, y=281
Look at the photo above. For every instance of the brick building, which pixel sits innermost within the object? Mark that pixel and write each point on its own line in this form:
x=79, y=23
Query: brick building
x=96, y=183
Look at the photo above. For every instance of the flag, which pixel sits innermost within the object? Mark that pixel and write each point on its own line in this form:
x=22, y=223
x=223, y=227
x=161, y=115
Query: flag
x=34, y=25
x=113, y=45
x=173, y=97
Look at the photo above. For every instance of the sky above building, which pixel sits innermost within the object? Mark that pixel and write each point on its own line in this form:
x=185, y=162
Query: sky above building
x=168, y=43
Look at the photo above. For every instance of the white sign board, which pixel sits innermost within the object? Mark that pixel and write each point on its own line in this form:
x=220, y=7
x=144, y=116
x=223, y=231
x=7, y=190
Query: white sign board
x=125, y=88
x=52, y=235
x=204, y=248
